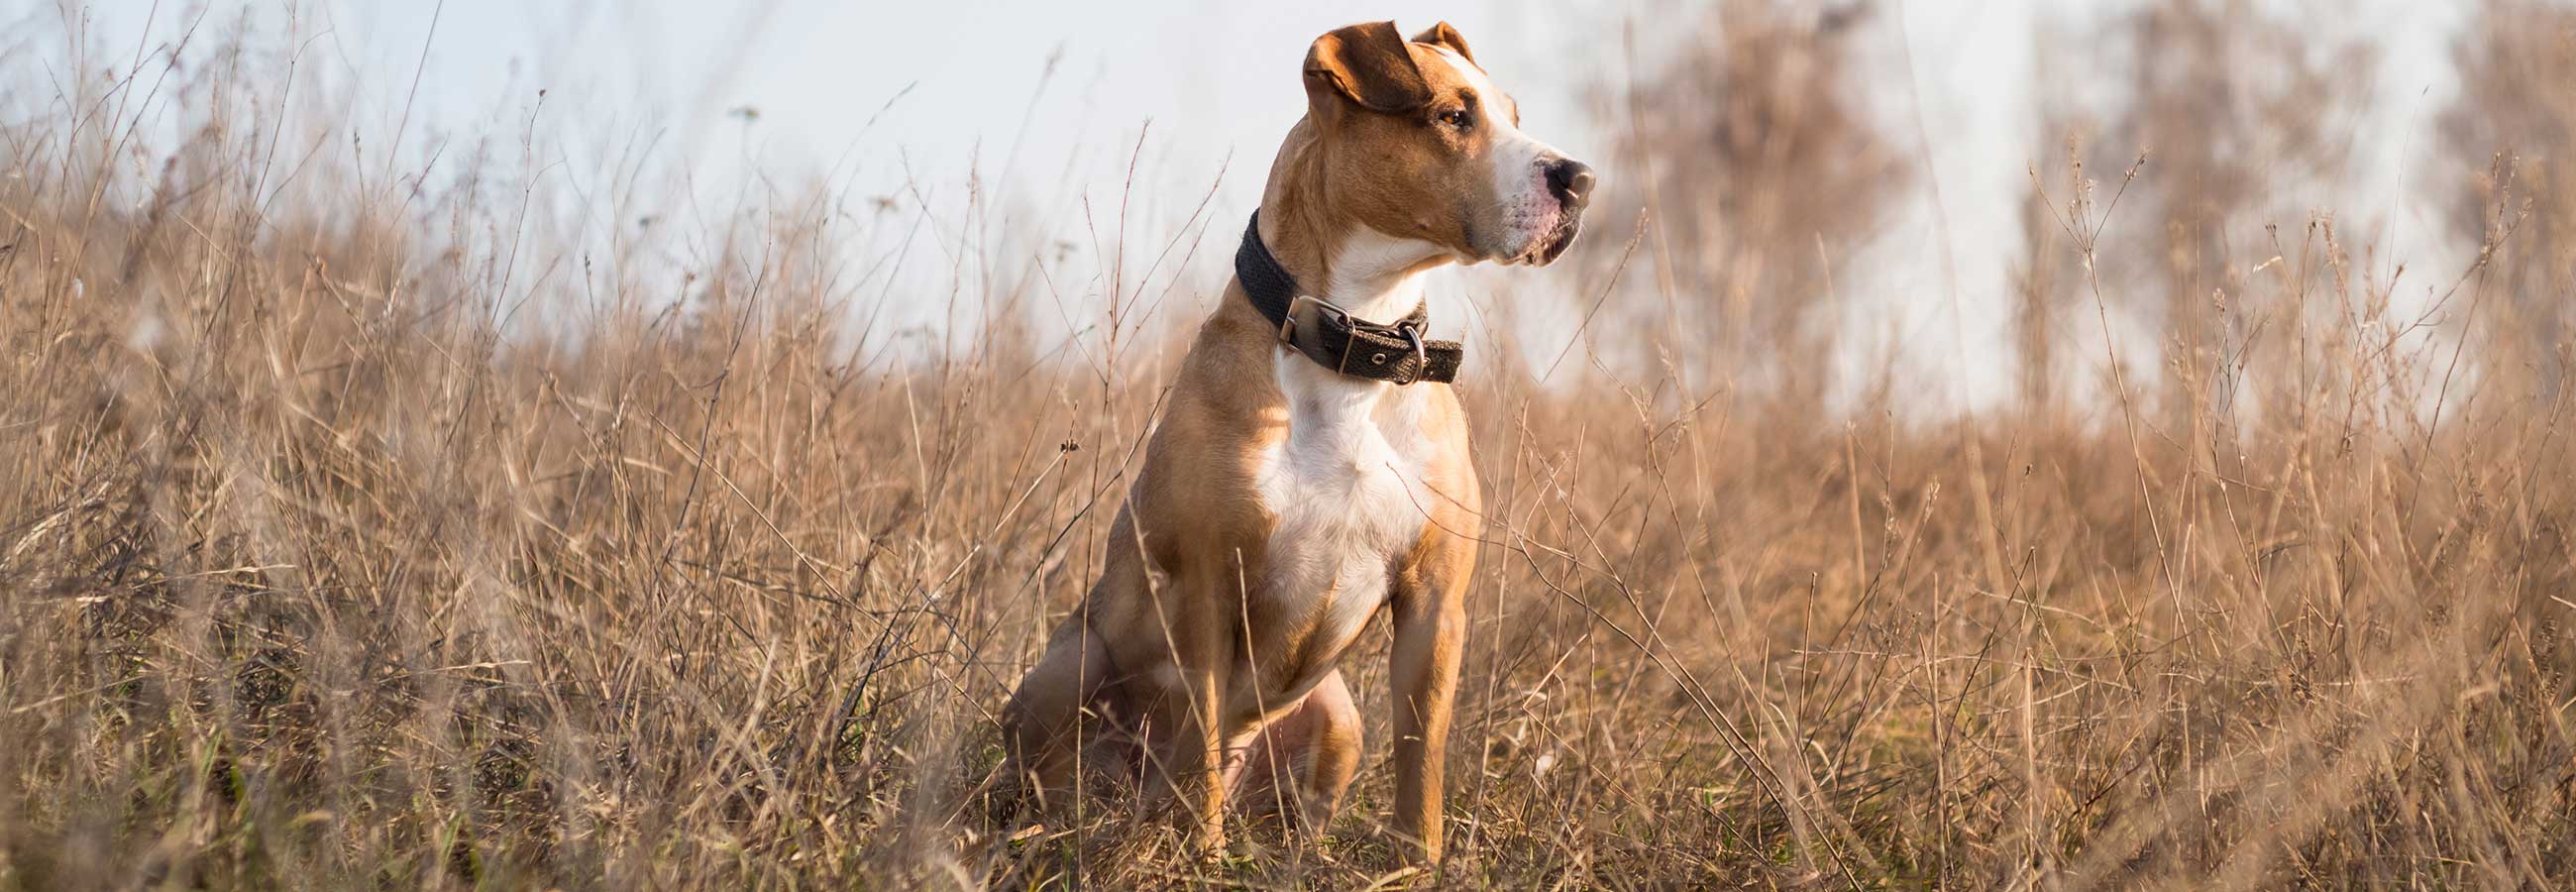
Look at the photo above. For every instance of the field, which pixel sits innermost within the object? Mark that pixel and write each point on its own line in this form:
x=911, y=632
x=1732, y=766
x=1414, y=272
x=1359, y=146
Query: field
x=327, y=567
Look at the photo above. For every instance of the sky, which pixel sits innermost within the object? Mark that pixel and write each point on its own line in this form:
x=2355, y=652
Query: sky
x=1044, y=104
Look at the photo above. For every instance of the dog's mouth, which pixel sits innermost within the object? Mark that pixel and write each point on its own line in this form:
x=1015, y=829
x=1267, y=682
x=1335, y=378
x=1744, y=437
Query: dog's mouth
x=1550, y=245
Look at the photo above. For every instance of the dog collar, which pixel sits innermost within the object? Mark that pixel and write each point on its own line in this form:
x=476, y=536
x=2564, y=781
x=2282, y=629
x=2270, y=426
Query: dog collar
x=1331, y=336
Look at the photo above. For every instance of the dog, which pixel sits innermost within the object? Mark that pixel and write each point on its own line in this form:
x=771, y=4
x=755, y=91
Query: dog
x=1311, y=468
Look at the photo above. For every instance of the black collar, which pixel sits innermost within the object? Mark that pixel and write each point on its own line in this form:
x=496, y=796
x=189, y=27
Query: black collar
x=1330, y=335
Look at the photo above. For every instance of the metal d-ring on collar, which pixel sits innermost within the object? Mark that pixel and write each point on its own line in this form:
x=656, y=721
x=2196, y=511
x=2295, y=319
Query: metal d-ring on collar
x=1413, y=335
x=1330, y=335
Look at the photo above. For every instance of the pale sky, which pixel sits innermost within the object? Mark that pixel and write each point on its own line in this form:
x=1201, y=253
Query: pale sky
x=887, y=97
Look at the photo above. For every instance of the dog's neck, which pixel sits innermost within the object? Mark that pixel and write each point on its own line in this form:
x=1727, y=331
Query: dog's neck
x=1372, y=275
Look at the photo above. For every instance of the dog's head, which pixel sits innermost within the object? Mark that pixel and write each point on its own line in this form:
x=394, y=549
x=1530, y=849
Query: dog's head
x=1420, y=144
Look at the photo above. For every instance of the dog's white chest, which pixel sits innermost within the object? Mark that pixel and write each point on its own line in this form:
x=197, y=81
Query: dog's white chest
x=1345, y=488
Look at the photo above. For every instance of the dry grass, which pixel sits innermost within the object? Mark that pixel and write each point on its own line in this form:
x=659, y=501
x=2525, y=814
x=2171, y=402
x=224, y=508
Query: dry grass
x=322, y=573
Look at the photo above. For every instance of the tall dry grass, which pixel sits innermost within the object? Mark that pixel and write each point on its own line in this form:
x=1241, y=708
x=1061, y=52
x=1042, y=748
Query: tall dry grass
x=326, y=568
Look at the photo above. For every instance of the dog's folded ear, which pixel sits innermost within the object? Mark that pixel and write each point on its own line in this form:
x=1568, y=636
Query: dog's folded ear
x=1443, y=35
x=1367, y=64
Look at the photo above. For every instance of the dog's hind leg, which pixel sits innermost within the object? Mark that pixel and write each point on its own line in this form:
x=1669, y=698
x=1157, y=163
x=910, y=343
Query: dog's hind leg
x=1040, y=724
x=1300, y=764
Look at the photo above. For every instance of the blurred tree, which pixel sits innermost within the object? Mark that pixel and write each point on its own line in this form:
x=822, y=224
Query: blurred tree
x=2511, y=130
x=1762, y=173
x=2231, y=105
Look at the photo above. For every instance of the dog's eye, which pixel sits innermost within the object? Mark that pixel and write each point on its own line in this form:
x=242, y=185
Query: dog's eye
x=1459, y=118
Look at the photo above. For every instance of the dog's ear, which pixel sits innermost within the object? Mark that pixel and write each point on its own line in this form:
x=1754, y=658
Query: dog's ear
x=1443, y=35
x=1367, y=64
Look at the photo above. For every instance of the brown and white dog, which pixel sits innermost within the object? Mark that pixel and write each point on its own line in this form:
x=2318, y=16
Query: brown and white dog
x=1312, y=467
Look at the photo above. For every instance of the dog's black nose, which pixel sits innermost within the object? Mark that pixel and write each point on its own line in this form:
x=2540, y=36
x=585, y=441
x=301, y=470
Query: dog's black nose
x=1570, y=181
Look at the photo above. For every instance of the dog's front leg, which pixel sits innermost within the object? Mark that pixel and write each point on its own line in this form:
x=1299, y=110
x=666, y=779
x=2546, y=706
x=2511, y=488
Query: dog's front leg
x=1430, y=633
x=1204, y=652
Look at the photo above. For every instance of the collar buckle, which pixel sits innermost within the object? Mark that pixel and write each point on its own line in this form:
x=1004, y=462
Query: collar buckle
x=1308, y=316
